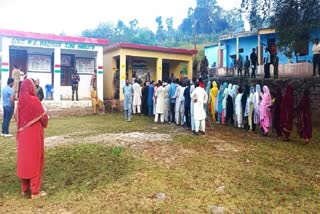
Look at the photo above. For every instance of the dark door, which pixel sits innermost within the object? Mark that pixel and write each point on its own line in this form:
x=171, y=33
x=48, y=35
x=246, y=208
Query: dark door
x=165, y=71
x=18, y=58
x=67, y=67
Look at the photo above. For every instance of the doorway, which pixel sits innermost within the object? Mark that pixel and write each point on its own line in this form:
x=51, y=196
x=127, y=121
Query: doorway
x=165, y=71
x=18, y=58
x=67, y=68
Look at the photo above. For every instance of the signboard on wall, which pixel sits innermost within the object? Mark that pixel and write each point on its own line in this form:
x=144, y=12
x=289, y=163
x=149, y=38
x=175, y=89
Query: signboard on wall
x=85, y=65
x=140, y=68
x=50, y=44
x=39, y=63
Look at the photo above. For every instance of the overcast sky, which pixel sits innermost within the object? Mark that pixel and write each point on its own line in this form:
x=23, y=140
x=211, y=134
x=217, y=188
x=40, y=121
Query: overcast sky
x=73, y=16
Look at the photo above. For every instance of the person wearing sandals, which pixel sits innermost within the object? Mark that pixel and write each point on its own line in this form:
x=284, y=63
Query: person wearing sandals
x=31, y=121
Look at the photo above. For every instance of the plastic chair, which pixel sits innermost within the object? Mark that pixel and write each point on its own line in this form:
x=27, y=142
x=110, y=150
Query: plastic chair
x=49, y=91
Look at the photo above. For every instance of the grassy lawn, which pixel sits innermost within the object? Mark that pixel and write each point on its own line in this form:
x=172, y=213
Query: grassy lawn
x=240, y=171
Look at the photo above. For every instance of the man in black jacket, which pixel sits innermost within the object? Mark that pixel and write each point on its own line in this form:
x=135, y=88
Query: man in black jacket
x=254, y=62
x=39, y=90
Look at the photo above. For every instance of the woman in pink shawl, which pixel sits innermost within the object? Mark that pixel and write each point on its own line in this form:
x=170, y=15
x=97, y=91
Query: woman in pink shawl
x=265, y=113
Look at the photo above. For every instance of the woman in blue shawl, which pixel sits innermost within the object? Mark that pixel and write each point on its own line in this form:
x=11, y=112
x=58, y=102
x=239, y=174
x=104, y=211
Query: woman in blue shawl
x=220, y=99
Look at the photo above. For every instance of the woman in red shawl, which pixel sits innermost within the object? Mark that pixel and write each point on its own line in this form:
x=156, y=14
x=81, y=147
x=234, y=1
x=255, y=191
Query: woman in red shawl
x=277, y=113
x=287, y=112
x=304, y=122
x=30, y=136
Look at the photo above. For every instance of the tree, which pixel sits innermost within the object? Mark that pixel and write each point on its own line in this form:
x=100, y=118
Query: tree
x=104, y=31
x=160, y=34
x=294, y=20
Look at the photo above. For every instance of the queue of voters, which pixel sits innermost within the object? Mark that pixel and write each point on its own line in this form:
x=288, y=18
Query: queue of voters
x=190, y=104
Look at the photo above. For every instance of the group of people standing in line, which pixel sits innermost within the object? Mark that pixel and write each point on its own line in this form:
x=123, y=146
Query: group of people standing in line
x=249, y=107
x=189, y=103
x=174, y=101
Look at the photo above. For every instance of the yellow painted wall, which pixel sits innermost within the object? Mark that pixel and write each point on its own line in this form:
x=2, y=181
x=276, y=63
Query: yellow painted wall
x=175, y=69
x=150, y=57
x=109, y=66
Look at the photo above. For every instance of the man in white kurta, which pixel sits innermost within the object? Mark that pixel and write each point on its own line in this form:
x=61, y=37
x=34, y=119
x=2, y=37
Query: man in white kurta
x=167, y=102
x=181, y=108
x=192, y=87
x=238, y=108
x=177, y=104
x=136, y=97
x=199, y=98
x=160, y=103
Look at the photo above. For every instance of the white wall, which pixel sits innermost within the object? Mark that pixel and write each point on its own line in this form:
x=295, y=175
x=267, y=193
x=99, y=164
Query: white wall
x=84, y=88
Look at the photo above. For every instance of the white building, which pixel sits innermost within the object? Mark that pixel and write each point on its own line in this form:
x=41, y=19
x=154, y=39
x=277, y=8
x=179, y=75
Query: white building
x=52, y=59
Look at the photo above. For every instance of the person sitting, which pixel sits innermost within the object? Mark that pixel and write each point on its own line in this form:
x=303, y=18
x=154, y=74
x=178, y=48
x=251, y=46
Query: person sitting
x=96, y=102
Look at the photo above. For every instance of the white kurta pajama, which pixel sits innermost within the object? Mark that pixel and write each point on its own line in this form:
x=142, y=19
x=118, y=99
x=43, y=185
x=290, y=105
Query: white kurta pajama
x=136, y=98
x=238, y=110
x=167, y=103
x=177, y=105
x=160, y=104
x=192, y=109
x=181, y=108
x=199, y=98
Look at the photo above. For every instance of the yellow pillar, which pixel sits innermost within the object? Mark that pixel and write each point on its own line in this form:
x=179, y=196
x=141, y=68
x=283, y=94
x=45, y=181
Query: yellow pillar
x=110, y=76
x=122, y=74
x=190, y=67
x=130, y=69
x=159, y=69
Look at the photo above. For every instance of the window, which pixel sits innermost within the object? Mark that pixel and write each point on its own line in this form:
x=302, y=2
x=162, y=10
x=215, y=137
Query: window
x=302, y=48
x=85, y=65
x=39, y=63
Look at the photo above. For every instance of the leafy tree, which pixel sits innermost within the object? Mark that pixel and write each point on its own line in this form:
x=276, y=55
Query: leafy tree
x=160, y=35
x=293, y=20
x=104, y=31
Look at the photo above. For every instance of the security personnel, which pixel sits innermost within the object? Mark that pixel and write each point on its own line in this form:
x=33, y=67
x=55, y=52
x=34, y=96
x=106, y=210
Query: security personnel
x=75, y=84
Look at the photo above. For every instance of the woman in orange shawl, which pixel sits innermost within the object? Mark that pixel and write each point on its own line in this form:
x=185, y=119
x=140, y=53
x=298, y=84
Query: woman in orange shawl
x=31, y=121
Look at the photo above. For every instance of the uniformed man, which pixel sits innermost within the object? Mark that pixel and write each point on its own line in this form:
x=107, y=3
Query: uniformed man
x=75, y=84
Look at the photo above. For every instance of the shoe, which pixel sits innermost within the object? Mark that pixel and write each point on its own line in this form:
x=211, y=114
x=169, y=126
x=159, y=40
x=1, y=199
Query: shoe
x=40, y=194
x=8, y=135
x=2, y=135
x=202, y=132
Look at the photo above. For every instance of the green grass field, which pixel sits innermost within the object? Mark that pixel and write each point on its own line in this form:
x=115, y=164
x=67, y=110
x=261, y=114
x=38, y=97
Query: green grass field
x=240, y=171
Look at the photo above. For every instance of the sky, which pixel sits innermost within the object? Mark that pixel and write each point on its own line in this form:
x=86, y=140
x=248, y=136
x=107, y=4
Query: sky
x=73, y=16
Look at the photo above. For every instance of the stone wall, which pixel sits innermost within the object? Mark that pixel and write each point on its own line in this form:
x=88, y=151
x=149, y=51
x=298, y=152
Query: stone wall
x=299, y=85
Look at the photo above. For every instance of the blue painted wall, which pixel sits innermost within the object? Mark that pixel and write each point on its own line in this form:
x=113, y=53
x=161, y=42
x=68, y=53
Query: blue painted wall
x=212, y=54
x=247, y=43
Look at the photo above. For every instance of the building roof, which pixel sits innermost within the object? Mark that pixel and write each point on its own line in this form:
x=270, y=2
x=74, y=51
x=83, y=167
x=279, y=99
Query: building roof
x=52, y=37
x=149, y=48
x=211, y=46
x=240, y=34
